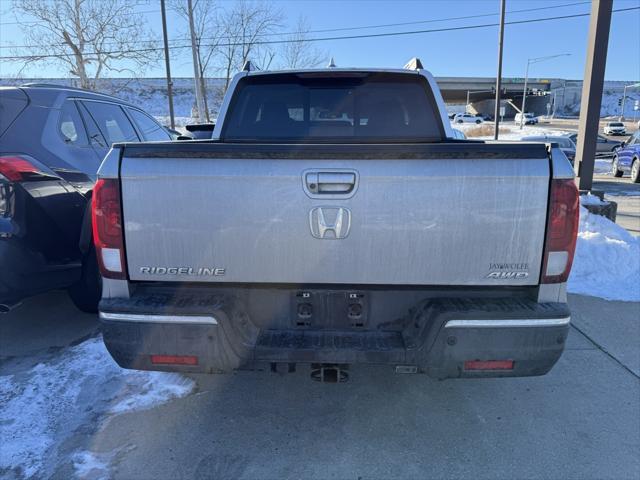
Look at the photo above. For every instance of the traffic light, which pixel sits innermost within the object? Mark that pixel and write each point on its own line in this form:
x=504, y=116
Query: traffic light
x=619, y=102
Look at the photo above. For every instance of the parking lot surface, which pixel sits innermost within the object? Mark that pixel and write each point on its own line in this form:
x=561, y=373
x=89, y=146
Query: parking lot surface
x=582, y=420
x=627, y=195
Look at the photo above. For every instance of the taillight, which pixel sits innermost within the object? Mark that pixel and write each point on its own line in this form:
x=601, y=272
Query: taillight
x=107, y=228
x=562, y=231
x=16, y=168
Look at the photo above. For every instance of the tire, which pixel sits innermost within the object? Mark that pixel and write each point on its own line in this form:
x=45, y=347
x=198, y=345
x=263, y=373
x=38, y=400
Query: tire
x=635, y=170
x=460, y=121
x=615, y=171
x=86, y=292
x=478, y=122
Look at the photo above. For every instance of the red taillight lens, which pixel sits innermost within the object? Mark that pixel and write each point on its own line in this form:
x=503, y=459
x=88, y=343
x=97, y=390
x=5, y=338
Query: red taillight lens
x=107, y=228
x=562, y=231
x=16, y=168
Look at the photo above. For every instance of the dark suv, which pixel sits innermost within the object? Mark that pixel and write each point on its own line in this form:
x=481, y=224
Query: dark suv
x=52, y=141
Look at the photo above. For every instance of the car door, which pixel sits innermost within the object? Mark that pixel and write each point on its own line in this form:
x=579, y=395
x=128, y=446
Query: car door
x=78, y=153
x=96, y=140
x=602, y=145
x=628, y=151
x=624, y=155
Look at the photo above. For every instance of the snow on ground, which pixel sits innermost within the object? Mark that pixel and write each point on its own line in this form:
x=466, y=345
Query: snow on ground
x=74, y=391
x=602, y=166
x=508, y=131
x=607, y=260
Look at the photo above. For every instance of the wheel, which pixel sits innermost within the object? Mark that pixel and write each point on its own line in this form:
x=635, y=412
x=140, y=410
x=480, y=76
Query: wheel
x=615, y=171
x=86, y=292
x=478, y=122
x=635, y=170
x=460, y=121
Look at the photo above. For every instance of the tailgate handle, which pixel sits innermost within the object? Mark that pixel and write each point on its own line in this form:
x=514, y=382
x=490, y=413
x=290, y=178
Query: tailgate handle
x=330, y=182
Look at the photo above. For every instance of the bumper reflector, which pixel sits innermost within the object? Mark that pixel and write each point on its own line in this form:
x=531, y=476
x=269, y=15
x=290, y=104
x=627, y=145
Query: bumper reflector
x=174, y=360
x=488, y=365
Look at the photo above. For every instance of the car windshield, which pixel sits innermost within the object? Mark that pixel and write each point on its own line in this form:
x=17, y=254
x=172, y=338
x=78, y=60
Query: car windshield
x=616, y=124
x=364, y=108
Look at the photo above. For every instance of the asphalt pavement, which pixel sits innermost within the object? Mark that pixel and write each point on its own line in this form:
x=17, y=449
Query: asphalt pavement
x=582, y=420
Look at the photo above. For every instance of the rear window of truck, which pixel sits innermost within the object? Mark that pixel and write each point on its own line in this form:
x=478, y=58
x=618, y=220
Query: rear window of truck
x=366, y=108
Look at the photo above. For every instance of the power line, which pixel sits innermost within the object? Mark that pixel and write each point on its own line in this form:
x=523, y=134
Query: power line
x=324, y=39
x=361, y=27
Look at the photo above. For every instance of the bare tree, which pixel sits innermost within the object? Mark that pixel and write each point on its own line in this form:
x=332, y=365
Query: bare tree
x=208, y=37
x=88, y=37
x=244, y=26
x=300, y=52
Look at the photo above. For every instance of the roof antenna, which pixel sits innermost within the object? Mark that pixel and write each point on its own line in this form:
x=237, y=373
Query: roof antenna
x=332, y=64
x=414, y=64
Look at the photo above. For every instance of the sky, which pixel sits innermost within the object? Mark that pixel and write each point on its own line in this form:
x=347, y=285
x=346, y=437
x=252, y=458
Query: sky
x=470, y=52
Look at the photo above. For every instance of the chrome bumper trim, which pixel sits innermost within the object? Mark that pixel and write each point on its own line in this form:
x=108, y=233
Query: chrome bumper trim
x=130, y=317
x=514, y=323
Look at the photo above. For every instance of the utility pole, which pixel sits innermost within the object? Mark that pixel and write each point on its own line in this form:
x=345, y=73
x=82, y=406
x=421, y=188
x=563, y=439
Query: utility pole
x=496, y=115
x=597, y=43
x=524, y=94
x=526, y=79
x=167, y=64
x=196, y=64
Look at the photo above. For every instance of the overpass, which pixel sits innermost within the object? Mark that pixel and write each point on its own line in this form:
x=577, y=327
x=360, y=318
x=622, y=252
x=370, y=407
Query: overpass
x=454, y=89
x=481, y=93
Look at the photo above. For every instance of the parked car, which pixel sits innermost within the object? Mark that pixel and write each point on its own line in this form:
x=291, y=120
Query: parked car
x=466, y=118
x=529, y=118
x=615, y=128
x=604, y=146
x=627, y=158
x=565, y=144
x=200, y=130
x=288, y=239
x=52, y=141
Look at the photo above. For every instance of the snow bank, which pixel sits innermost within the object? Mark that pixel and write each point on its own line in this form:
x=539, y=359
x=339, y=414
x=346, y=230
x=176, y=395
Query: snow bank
x=589, y=199
x=74, y=390
x=513, y=133
x=607, y=260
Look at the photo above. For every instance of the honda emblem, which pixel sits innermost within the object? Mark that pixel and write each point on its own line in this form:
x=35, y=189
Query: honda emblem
x=330, y=223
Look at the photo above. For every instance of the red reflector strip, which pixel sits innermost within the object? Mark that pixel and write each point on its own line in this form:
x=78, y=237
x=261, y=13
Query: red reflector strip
x=488, y=365
x=174, y=359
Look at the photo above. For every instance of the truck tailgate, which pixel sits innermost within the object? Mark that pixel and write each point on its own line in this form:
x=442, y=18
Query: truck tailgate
x=440, y=214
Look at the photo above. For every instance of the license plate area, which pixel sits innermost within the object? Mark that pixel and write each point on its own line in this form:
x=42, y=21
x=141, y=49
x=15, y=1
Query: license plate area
x=343, y=309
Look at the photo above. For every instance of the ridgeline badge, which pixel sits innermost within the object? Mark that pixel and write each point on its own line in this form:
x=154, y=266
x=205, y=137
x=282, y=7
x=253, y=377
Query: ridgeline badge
x=202, y=271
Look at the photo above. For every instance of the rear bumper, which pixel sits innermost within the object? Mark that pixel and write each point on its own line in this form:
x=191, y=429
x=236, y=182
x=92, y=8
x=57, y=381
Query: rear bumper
x=25, y=272
x=438, y=336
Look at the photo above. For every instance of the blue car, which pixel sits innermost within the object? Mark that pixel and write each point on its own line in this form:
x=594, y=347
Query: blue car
x=626, y=158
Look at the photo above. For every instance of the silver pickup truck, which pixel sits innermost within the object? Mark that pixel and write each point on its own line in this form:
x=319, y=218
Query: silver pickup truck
x=333, y=220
